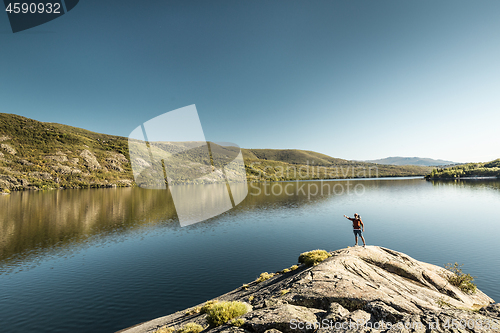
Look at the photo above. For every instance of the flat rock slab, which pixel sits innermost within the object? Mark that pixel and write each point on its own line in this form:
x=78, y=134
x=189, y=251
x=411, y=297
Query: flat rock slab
x=358, y=289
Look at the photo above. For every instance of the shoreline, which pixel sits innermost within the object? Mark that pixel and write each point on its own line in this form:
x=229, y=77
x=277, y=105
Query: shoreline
x=466, y=178
x=108, y=186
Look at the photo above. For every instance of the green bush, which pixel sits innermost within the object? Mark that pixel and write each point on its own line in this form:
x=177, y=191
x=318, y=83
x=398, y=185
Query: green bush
x=313, y=258
x=284, y=291
x=264, y=276
x=208, y=305
x=221, y=312
x=165, y=330
x=460, y=279
x=286, y=270
x=190, y=328
x=237, y=322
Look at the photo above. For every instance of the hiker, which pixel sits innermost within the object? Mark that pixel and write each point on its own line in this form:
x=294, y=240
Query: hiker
x=358, y=227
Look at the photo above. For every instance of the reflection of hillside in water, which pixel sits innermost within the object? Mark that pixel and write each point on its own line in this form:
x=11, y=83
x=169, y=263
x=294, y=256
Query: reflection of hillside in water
x=33, y=222
x=469, y=183
x=298, y=193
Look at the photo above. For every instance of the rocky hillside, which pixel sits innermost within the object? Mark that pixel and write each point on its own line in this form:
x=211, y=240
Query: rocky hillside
x=354, y=290
x=38, y=155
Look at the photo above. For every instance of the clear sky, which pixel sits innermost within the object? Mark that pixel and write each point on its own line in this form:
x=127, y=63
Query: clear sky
x=351, y=79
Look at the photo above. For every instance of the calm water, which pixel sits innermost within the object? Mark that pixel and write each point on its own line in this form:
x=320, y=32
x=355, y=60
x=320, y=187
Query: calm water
x=102, y=260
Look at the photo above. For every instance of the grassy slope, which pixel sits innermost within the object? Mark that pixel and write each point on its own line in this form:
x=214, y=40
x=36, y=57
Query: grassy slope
x=49, y=155
x=290, y=164
x=33, y=141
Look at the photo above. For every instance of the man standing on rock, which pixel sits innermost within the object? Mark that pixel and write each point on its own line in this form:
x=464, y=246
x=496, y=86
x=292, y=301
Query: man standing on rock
x=357, y=224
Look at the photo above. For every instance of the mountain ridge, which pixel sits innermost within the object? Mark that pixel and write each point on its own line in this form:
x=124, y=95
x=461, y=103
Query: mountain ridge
x=421, y=161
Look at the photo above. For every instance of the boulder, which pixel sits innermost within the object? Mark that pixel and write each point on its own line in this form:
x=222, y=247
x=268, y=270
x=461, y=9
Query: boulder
x=65, y=170
x=25, y=162
x=89, y=160
x=57, y=158
x=8, y=148
x=41, y=175
x=372, y=289
x=281, y=318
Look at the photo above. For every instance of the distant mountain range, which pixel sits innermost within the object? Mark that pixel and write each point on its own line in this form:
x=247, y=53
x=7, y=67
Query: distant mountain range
x=397, y=160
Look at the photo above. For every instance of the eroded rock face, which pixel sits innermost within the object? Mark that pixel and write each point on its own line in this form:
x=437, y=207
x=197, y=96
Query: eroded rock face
x=8, y=148
x=65, y=170
x=370, y=289
x=41, y=175
x=358, y=276
x=90, y=160
x=57, y=158
x=280, y=318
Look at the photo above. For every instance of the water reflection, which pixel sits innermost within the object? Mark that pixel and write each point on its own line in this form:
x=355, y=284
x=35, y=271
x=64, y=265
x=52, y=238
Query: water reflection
x=33, y=222
x=36, y=223
x=468, y=183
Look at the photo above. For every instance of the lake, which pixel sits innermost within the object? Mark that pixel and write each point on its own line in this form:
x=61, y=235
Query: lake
x=100, y=260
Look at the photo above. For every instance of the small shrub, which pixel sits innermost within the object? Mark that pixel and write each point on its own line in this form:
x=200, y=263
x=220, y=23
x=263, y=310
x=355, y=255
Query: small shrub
x=265, y=276
x=237, y=322
x=460, y=279
x=193, y=310
x=443, y=304
x=286, y=270
x=245, y=286
x=208, y=305
x=313, y=258
x=190, y=328
x=5, y=190
x=165, y=330
x=221, y=312
x=284, y=291
x=251, y=298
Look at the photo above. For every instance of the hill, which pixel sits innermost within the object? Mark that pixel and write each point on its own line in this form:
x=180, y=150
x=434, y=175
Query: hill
x=469, y=170
x=39, y=155
x=411, y=161
x=289, y=164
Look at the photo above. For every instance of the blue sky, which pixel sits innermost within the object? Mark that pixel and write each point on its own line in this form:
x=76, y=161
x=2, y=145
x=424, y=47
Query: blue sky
x=351, y=79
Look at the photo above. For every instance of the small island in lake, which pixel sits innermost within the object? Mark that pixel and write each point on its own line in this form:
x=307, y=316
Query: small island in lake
x=372, y=289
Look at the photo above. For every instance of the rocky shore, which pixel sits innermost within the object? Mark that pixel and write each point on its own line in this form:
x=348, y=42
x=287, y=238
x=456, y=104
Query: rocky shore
x=357, y=289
